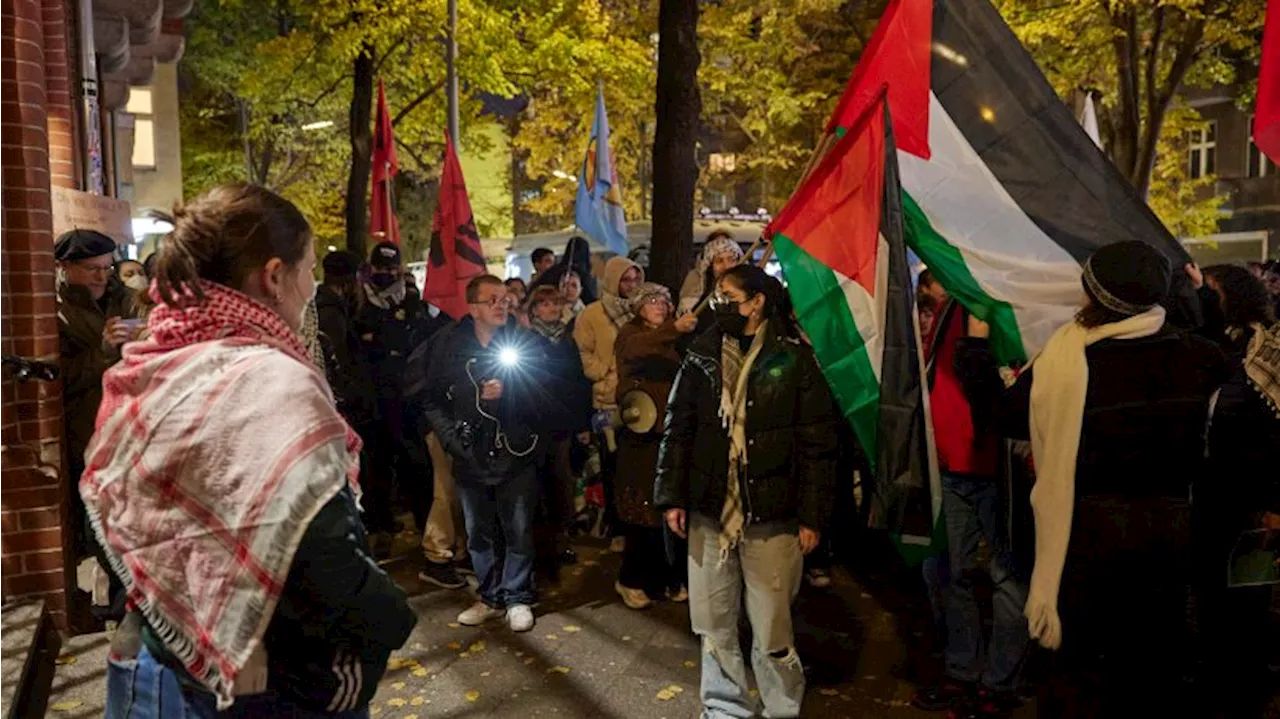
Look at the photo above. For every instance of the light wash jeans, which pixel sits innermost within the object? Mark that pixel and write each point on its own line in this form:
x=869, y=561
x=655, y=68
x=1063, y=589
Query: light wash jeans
x=972, y=509
x=768, y=565
x=142, y=688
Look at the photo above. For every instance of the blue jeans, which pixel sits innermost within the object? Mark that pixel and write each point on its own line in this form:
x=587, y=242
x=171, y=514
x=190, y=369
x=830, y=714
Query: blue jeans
x=972, y=509
x=500, y=520
x=143, y=688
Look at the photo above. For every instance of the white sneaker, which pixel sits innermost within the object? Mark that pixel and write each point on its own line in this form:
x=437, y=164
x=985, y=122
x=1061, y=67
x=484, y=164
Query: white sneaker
x=478, y=614
x=520, y=617
x=678, y=595
x=633, y=598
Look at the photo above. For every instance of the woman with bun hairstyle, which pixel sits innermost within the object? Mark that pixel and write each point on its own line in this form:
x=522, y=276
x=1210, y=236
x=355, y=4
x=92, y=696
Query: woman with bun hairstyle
x=222, y=483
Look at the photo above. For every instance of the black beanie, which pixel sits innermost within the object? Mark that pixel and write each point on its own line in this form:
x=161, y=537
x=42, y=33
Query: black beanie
x=1127, y=277
x=341, y=264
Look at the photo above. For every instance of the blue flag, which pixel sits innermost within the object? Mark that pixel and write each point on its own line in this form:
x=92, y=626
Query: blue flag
x=598, y=208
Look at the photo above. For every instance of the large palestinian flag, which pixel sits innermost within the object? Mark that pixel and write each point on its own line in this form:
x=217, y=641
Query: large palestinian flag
x=1003, y=196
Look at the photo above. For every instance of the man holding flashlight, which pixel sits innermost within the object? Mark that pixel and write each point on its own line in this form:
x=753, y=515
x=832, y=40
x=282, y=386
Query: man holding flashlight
x=484, y=389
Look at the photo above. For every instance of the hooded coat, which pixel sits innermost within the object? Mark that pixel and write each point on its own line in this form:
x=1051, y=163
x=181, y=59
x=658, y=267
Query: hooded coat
x=577, y=257
x=596, y=332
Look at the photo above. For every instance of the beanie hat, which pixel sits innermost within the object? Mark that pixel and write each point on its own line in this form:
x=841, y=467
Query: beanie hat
x=646, y=292
x=341, y=264
x=1127, y=277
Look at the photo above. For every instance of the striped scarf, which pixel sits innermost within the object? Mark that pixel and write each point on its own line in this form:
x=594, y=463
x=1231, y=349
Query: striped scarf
x=734, y=371
x=217, y=443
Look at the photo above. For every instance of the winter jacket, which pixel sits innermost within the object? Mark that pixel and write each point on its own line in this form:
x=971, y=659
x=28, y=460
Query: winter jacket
x=459, y=365
x=791, y=430
x=577, y=257
x=595, y=332
x=648, y=362
x=85, y=357
x=344, y=365
x=388, y=336
x=965, y=441
x=338, y=620
x=564, y=364
x=1144, y=410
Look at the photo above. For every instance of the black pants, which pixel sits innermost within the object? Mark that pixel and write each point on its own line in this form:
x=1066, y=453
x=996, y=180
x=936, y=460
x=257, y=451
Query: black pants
x=653, y=563
x=396, y=474
x=1123, y=607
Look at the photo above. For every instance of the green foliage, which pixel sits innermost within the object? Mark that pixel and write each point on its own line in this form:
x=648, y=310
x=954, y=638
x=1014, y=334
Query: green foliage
x=1140, y=57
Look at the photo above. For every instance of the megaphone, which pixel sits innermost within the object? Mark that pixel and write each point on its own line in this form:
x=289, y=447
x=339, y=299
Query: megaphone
x=638, y=411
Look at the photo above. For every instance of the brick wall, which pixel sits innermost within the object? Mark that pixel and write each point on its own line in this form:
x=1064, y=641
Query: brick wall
x=34, y=117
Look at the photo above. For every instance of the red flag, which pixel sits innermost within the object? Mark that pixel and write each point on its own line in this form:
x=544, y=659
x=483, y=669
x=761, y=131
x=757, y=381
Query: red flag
x=382, y=219
x=898, y=55
x=455, y=255
x=1266, y=114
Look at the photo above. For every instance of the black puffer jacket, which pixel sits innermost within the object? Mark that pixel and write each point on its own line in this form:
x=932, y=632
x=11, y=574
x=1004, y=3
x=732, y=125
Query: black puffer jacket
x=791, y=432
x=388, y=335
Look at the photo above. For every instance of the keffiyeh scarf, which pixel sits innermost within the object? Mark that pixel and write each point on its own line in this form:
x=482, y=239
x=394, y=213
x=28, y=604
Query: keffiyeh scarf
x=1262, y=364
x=735, y=368
x=217, y=443
x=393, y=296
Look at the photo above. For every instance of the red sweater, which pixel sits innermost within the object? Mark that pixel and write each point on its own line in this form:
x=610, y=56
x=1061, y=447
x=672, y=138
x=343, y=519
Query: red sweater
x=961, y=448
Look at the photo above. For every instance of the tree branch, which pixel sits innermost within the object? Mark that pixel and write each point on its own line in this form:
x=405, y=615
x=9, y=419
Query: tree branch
x=390, y=51
x=422, y=164
x=413, y=104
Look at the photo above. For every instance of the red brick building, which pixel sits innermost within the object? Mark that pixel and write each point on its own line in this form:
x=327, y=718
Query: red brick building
x=58, y=104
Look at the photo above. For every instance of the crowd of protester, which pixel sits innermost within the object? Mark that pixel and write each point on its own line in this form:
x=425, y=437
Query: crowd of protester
x=695, y=431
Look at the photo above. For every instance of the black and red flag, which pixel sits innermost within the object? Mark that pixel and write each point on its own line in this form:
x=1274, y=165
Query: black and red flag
x=455, y=256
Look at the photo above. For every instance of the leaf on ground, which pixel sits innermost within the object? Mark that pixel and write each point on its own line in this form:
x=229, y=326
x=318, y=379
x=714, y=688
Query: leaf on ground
x=666, y=695
x=485, y=674
x=410, y=716
x=689, y=664
x=397, y=685
x=472, y=695
x=375, y=711
x=66, y=706
x=519, y=654
x=420, y=672
x=397, y=663
x=454, y=645
x=827, y=692
x=754, y=692
x=66, y=659
x=529, y=661
x=626, y=639
x=558, y=670
x=571, y=629
x=464, y=655
x=676, y=688
x=590, y=563
x=476, y=647
x=553, y=637
x=454, y=625
x=396, y=702
x=417, y=701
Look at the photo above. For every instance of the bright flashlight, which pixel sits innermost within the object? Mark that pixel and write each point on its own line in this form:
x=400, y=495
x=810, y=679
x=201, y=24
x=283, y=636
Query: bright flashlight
x=509, y=357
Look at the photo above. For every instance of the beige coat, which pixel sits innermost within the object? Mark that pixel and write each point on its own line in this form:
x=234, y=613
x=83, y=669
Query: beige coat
x=596, y=330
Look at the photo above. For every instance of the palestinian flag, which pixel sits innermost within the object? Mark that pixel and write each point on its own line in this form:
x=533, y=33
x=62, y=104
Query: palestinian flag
x=1004, y=194
x=841, y=243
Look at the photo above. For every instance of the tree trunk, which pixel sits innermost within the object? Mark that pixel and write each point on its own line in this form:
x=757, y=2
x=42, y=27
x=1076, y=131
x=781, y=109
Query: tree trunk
x=679, y=109
x=361, y=117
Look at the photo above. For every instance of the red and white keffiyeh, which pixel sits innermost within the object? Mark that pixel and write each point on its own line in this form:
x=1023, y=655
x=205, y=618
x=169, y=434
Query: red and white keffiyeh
x=217, y=443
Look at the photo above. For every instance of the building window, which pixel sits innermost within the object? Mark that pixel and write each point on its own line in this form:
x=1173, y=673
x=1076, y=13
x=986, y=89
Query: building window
x=1259, y=165
x=1202, y=151
x=144, y=129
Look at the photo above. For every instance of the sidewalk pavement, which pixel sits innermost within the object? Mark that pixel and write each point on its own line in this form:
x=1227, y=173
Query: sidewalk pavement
x=591, y=657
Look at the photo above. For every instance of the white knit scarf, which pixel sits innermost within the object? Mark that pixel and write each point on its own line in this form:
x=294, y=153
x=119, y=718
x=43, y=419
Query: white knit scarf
x=1058, y=388
x=734, y=371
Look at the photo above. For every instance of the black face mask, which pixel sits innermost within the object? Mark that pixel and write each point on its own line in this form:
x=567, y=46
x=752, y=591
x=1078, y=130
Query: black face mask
x=382, y=281
x=730, y=320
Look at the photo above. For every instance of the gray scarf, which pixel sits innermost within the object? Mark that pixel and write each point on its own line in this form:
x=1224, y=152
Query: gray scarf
x=735, y=368
x=393, y=296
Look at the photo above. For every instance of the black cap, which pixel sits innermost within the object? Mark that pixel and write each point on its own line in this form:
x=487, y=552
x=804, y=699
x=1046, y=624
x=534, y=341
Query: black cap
x=82, y=245
x=1127, y=277
x=384, y=255
x=341, y=264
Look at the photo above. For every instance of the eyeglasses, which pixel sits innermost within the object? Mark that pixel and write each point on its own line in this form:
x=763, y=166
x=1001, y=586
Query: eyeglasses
x=96, y=269
x=720, y=299
x=657, y=300
x=493, y=303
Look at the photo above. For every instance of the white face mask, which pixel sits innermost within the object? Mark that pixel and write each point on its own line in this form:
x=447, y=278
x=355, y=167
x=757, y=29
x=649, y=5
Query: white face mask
x=137, y=282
